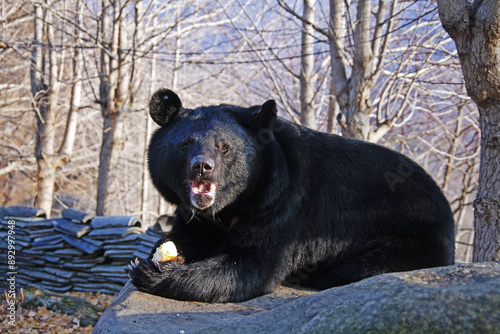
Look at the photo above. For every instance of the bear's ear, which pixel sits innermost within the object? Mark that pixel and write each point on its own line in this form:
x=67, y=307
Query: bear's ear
x=164, y=105
x=265, y=114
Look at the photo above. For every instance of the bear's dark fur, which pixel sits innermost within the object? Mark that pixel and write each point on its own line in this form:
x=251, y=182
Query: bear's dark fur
x=262, y=200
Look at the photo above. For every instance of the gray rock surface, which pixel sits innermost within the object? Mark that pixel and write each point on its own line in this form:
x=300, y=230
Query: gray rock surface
x=136, y=312
x=464, y=298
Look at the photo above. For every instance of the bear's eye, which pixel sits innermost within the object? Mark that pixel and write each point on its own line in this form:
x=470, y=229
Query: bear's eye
x=184, y=146
x=224, y=149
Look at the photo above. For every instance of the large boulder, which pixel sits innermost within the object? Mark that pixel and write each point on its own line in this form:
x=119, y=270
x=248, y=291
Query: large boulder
x=464, y=298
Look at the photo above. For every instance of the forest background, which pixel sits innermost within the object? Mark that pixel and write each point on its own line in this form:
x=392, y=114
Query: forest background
x=76, y=77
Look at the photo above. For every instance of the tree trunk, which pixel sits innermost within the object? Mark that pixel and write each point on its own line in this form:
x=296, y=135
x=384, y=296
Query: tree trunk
x=45, y=181
x=353, y=93
x=475, y=28
x=339, y=83
x=45, y=102
x=111, y=147
x=333, y=111
x=68, y=142
x=307, y=76
x=38, y=89
x=113, y=95
x=45, y=72
x=357, y=112
x=487, y=203
x=146, y=182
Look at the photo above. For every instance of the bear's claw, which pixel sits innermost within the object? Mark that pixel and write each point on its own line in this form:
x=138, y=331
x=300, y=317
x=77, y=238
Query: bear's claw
x=157, y=265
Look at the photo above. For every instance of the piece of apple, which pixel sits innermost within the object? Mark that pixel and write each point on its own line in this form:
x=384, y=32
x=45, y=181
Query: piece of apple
x=166, y=252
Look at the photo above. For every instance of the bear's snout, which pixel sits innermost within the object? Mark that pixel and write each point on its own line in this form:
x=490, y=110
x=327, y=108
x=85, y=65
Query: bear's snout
x=203, y=188
x=202, y=165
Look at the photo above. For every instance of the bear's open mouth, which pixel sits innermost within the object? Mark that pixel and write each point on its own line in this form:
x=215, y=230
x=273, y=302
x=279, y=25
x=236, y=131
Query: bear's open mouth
x=202, y=194
x=202, y=187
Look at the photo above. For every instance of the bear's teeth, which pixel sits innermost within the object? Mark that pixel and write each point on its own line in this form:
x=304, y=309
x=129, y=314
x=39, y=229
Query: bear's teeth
x=201, y=187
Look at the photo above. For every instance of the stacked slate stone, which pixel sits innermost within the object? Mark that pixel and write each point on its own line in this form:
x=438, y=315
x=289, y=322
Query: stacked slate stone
x=76, y=252
x=18, y=228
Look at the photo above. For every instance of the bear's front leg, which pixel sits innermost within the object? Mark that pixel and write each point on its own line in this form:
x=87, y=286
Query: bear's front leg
x=222, y=278
x=148, y=275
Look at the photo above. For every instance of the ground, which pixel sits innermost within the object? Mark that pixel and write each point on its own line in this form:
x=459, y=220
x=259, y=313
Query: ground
x=41, y=320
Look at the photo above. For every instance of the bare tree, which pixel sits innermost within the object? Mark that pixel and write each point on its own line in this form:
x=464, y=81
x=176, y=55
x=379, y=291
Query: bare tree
x=353, y=93
x=45, y=99
x=45, y=73
x=473, y=25
x=357, y=48
x=114, y=80
x=68, y=141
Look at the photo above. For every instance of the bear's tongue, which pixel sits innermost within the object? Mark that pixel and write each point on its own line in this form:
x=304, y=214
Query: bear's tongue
x=202, y=194
x=202, y=187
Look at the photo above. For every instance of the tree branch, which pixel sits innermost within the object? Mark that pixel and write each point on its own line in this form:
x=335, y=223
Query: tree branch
x=9, y=168
x=322, y=31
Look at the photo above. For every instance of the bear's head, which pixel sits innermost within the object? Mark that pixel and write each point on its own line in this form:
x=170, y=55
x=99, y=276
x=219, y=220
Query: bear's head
x=205, y=159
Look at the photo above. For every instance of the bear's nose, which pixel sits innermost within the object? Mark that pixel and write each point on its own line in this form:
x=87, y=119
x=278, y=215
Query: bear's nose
x=202, y=165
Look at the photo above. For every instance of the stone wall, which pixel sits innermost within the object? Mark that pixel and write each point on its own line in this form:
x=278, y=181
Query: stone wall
x=76, y=252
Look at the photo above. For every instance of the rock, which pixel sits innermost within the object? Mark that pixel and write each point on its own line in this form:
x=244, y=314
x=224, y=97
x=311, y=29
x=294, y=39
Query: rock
x=68, y=252
x=76, y=230
x=54, y=253
x=115, y=221
x=77, y=216
x=464, y=298
x=60, y=272
x=36, y=224
x=80, y=244
x=114, y=232
x=87, y=313
x=136, y=312
x=48, y=240
x=24, y=211
x=88, y=319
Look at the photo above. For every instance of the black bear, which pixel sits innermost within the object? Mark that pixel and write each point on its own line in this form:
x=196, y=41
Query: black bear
x=262, y=200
